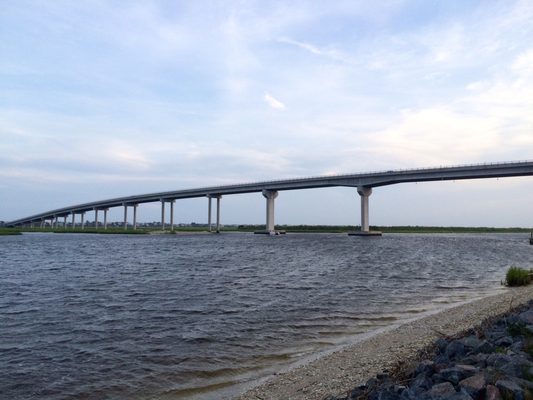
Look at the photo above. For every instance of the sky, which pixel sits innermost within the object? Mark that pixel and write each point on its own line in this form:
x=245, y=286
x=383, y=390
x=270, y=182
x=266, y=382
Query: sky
x=100, y=99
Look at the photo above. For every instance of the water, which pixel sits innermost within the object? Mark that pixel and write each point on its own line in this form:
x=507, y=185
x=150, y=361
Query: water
x=195, y=316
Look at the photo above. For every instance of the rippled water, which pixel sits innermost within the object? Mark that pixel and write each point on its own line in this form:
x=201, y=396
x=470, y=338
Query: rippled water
x=195, y=316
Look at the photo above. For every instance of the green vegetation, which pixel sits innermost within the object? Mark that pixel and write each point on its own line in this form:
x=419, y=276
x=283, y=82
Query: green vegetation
x=518, y=329
x=517, y=276
x=10, y=231
x=384, y=229
x=288, y=228
x=18, y=231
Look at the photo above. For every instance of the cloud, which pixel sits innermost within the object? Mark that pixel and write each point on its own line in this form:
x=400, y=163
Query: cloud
x=273, y=102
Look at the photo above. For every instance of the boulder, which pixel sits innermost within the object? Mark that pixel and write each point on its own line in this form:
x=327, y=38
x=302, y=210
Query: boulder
x=510, y=390
x=441, y=391
x=474, y=385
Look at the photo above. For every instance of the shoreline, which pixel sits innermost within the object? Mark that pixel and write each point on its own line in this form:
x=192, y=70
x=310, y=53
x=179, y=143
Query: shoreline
x=339, y=371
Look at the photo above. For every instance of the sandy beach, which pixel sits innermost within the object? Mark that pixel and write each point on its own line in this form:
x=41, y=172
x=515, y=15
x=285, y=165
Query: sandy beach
x=342, y=370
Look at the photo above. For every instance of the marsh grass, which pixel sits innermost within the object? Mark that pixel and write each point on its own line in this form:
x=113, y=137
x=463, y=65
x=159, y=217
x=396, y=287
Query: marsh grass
x=517, y=276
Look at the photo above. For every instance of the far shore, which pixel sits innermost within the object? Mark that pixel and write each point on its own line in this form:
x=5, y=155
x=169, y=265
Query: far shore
x=338, y=372
x=342, y=229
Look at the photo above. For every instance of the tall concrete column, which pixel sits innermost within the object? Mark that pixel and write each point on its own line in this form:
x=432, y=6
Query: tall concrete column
x=125, y=216
x=42, y=223
x=105, y=217
x=73, y=222
x=172, y=214
x=209, y=212
x=56, y=220
x=270, y=196
x=365, y=193
x=218, y=213
x=31, y=224
x=96, y=218
x=82, y=220
x=162, y=214
x=64, y=221
x=135, y=216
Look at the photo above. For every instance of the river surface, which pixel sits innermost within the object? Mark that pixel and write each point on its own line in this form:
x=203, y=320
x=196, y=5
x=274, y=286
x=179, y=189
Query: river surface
x=198, y=316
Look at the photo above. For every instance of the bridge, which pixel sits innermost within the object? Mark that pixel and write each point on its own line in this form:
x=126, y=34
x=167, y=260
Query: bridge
x=364, y=182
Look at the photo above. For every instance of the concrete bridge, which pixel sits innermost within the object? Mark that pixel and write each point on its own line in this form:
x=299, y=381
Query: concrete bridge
x=364, y=182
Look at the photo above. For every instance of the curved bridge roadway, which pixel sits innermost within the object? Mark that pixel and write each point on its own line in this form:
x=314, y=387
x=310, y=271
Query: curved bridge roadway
x=364, y=182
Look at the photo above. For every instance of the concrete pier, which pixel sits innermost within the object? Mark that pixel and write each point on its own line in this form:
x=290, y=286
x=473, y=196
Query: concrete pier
x=270, y=227
x=172, y=214
x=162, y=214
x=73, y=220
x=218, y=213
x=125, y=216
x=209, y=213
x=82, y=220
x=134, y=216
x=96, y=218
x=364, y=193
x=105, y=217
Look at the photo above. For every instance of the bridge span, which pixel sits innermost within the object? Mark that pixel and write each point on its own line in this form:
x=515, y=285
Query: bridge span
x=364, y=182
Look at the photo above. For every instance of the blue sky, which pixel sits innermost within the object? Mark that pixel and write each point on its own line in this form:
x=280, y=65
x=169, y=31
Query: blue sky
x=100, y=99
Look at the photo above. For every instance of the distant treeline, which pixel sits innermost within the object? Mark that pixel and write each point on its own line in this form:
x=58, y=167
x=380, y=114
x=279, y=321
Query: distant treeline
x=386, y=229
x=287, y=228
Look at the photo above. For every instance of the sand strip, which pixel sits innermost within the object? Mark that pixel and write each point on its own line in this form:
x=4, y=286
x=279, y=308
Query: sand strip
x=342, y=370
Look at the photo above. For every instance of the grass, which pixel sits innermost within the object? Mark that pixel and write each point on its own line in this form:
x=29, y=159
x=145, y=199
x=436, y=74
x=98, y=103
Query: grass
x=10, y=231
x=517, y=276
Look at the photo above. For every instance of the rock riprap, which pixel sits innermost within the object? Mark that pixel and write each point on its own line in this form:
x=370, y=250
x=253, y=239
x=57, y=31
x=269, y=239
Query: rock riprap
x=492, y=362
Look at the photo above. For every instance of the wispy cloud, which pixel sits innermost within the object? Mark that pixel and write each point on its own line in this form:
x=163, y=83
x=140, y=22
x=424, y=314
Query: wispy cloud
x=273, y=102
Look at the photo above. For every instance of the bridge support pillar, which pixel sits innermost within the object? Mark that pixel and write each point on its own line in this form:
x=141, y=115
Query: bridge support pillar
x=125, y=216
x=365, y=192
x=270, y=196
x=172, y=214
x=209, y=213
x=73, y=219
x=82, y=220
x=218, y=213
x=162, y=214
x=134, y=216
x=96, y=218
x=105, y=217
x=64, y=221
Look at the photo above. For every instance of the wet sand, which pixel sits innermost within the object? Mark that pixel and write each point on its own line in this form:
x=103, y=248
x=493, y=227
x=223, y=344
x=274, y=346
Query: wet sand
x=338, y=372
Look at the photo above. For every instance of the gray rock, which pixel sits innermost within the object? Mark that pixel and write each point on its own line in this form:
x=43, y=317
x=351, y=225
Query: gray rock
x=471, y=342
x=510, y=390
x=441, y=391
x=474, y=385
x=455, y=349
x=484, y=347
x=460, y=396
x=492, y=393
x=498, y=360
x=526, y=317
x=453, y=375
x=421, y=383
x=425, y=366
x=467, y=370
x=517, y=346
x=505, y=341
x=441, y=345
